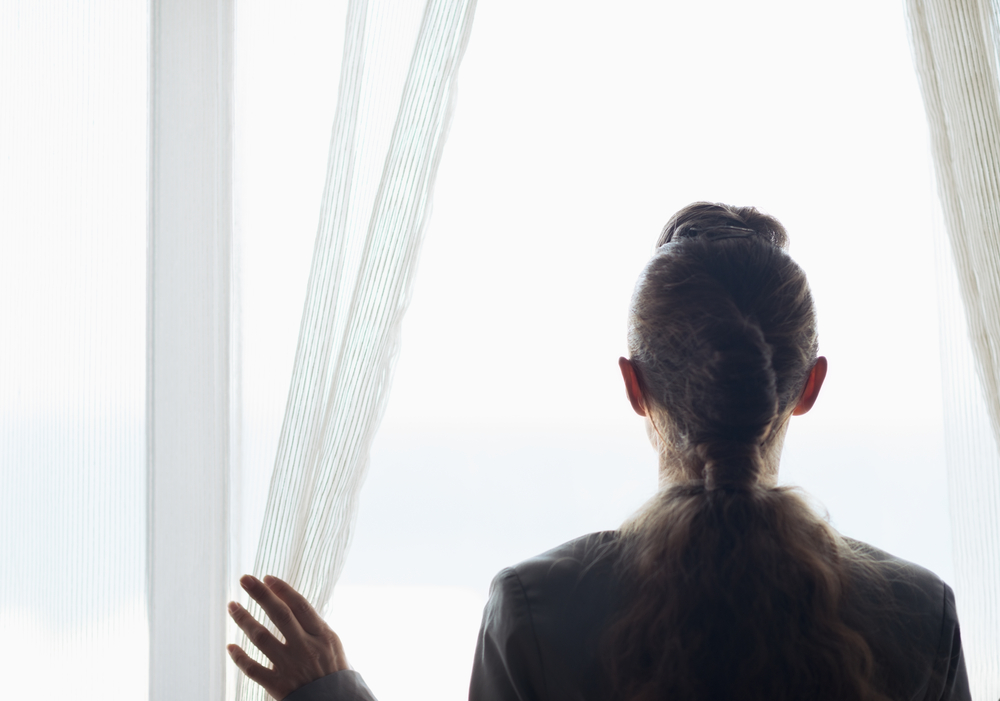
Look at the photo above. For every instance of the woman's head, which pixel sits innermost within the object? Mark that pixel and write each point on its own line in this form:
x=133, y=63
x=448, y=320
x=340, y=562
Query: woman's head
x=734, y=587
x=722, y=337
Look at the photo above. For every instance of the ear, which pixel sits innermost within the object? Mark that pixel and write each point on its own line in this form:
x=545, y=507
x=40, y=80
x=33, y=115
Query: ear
x=813, y=384
x=632, y=387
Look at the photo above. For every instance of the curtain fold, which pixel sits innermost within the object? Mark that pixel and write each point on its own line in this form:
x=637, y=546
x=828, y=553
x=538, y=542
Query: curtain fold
x=390, y=126
x=955, y=48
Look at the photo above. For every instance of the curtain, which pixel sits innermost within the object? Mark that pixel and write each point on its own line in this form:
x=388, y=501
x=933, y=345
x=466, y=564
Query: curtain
x=955, y=47
x=391, y=122
x=72, y=232
x=119, y=288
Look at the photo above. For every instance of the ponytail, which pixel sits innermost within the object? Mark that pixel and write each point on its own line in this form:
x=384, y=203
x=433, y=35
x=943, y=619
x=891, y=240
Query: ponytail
x=735, y=588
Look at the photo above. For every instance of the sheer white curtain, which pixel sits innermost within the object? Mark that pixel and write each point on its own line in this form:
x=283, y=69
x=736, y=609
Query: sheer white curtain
x=72, y=259
x=956, y=45
x=394, y=106
x=100, y=289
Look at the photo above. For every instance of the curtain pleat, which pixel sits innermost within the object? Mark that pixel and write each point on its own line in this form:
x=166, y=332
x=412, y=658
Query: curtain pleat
x=390, y=126
x=955, y=46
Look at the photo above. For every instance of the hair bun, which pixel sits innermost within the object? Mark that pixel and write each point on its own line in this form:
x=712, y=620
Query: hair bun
x=715, y=233
x=715, y=222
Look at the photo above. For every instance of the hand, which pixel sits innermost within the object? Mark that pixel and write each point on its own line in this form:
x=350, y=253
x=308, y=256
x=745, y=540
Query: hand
x=310, y=651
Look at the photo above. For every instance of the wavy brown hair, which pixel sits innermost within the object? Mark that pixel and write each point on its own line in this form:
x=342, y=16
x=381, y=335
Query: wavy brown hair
x=735, y=588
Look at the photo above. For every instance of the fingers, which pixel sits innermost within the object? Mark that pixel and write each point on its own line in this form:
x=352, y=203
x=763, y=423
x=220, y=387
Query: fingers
x=260, y=636
x=267, y=678
x=300, y=607
x=310, y=651
x=275, y=608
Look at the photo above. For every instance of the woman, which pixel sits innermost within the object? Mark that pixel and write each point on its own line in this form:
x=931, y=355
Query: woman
x=724, y=586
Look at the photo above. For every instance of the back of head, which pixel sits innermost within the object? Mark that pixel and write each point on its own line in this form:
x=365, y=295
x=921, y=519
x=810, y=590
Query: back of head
x=735, y=586
x=722, y=333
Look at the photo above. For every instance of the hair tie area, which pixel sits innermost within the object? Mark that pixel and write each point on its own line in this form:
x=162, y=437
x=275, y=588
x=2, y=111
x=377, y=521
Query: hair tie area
x=729, y=465
x=714, y=484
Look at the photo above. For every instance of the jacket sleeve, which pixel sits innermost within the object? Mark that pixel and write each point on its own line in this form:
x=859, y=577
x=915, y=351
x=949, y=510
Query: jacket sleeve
x=508, y=665
x=950, y=662
x=346, y=685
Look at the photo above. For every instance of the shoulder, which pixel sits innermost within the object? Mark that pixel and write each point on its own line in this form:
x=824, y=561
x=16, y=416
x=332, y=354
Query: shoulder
x=908, y=615
x=556, y=585
x=913, y=595
x=574, y=558
x=581, y=567
x=554, y=607
x=894, y=568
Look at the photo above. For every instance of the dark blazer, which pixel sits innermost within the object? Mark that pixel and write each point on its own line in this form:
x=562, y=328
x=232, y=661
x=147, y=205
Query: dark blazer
x=540, y=637
x=541, y=630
